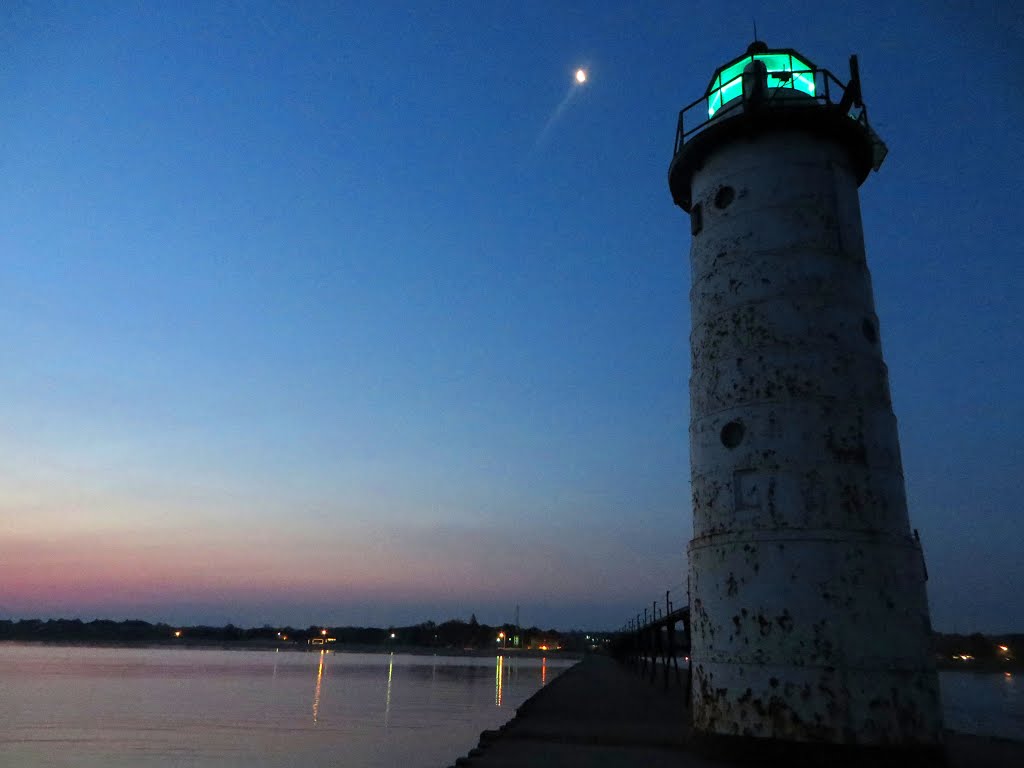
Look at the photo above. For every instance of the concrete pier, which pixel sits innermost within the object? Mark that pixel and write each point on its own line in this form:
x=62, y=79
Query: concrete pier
x=601, y=713
x=596, y=713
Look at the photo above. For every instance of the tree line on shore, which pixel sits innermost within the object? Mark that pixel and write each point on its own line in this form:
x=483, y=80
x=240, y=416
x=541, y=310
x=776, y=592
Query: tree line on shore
x=979, y=651
x=975, y=650
x=451, y=634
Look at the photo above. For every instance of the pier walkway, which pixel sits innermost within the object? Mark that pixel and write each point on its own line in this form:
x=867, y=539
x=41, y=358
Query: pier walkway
x=596, y=713
x=601, y=713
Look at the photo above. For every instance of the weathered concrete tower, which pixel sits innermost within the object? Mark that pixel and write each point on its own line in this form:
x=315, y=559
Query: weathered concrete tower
x=810, y=619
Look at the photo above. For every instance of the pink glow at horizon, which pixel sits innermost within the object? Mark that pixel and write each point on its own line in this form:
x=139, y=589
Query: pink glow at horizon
x=108, y=573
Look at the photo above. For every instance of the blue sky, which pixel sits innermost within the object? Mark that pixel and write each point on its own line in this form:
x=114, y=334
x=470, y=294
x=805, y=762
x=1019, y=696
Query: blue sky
x=306, y=318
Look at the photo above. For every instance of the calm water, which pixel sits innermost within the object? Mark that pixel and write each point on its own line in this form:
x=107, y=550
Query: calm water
x=198, y=708
x=991, y=704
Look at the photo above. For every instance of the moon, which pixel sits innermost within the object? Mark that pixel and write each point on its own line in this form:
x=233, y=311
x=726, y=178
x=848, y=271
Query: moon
x=573, y=92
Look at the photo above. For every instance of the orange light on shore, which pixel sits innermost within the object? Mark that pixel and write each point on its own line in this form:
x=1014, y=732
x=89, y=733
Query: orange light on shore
x=177, y=633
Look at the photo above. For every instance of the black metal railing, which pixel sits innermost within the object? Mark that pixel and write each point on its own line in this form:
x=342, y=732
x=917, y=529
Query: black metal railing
x=828, y=91
x=650, y=642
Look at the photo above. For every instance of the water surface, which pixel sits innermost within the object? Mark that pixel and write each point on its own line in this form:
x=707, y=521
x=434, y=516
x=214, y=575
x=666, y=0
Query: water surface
x=985, y=703
x=180, y=708
x=157, y=707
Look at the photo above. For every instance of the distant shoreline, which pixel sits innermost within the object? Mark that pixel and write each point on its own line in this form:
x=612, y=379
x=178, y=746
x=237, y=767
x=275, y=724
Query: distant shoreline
x=255, y=645
x=979, y=667
x=1012, y=666
x=453, y=637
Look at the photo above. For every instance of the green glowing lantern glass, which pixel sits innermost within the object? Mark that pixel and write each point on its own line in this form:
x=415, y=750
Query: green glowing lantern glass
x=784, y=71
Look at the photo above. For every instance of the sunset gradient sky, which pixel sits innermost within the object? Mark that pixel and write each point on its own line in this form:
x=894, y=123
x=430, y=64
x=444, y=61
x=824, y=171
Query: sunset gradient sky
x=329, y=312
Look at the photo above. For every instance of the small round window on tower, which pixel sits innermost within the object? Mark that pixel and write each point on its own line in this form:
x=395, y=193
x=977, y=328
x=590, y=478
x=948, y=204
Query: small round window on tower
x=724, y=197
x=732, y=434
x=870, y=332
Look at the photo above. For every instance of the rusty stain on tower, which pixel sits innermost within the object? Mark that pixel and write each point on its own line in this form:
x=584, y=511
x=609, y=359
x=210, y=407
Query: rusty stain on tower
x=809, y=615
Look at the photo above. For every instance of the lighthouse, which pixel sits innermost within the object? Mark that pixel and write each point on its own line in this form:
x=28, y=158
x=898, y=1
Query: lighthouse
x=810, y=621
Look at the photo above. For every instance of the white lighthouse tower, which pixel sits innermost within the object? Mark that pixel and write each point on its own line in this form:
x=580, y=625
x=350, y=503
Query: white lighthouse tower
x=810, y=618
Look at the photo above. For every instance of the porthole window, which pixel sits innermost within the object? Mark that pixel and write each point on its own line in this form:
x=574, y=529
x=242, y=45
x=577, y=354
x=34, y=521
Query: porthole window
x=732, y=434
x=724, y=197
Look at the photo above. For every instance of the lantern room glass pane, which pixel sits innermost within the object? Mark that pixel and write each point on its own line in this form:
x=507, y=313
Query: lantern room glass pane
x=728, y=85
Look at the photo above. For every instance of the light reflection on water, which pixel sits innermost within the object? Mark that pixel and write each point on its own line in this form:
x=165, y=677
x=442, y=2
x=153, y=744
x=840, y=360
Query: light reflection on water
x=986, y=703
x=387, y=699
x=177, y=707
x=319, y=680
